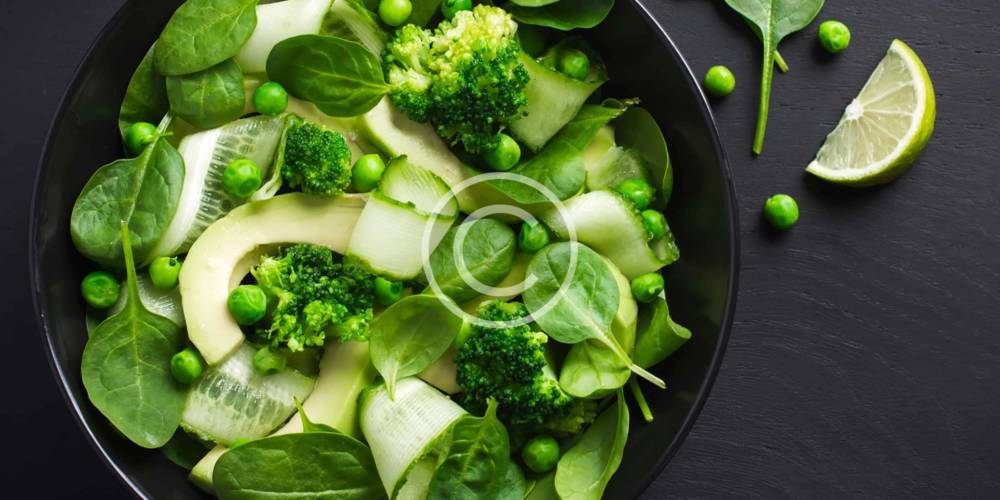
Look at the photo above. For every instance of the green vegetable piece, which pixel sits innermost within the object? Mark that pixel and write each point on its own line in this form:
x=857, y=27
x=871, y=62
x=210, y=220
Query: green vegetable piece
x=204, y=33
x=209, y=98
x=341, y=77
x=270, y=99
x=388, y=292
x=533, y=237
x=410, y=335
x=239, y=442
x=505, y=156
x=562, y=15
x=637, y=130
x=146, y=96
x=834, y=36
x=656, y=224
x=541, y=454
x=315, y=160
x=100, y=289
x=138, y=136
x=126, y=367
x=658, y=336
x=486, y=253
x=773, y=20
x=269, y=362
x=186, y=366
x=310, y=426
x=247, y=304
x=474, y=459
x=184, y=450
x=451, y=7
x=719, y=81
x=395, y=12
x=781, y=211
x=638, y=191
x=574, y=63
x=241, y=178
x=367, y=173
x=586, y=468
x=164, y=272
x=544, y=488
x=645, y=288
x=302, y=465
x=640, y=399
x=534, y=39
x=592, y=371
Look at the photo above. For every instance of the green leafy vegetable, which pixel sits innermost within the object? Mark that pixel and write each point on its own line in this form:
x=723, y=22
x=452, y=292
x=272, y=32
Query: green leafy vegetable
x=640, y=399
x=585, y=469
x=773, y=20
x=410, y=335
x=341, y=77
x=208, y=98
x=544, y=488
x=184, y=450
x=423, y=11
x=487, y=253
x=146, y=97
x=637, y=130
x=126, y=367
x=562, y=15
x=658, y=335
x=204, y=33
x=592, y=370
x=309, y=425
x=475, y=458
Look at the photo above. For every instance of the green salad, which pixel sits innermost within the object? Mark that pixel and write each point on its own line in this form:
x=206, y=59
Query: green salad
x=367, y=249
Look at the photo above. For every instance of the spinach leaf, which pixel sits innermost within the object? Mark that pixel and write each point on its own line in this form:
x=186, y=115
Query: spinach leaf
x=486, y=254
x=638, y=131
x=773, y=20
x=126, y=367
x=204, y=33
x=184, y=450
x=591, y=370
x=513, y=486
x=410, y=335
x=585, y=469
x=341, y=77
x=544, y=488
x=146, y=97
x=658, y=335
x=209, y=98
x=584, y=308
x=562, y=15
x=305, y=465
x=474, y=459
x=640, y=399
x=423, y=12
x=143, y=191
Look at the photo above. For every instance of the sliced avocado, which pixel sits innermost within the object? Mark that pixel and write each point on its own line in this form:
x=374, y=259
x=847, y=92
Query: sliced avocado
x=208, y=273
x=201, y=474
x=443, y=374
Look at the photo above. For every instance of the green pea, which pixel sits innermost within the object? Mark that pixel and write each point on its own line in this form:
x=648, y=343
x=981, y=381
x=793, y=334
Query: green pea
x=533, y=39
x=138, y=136
x=270, y=99
x=656, y=224
x=638, y=191
x=532, y=237
x=241, y=178
x=505, y=156
x=165, y=272
x=395, y=12
x=834, y=36
x=247, y=304
x=574, y=63
x=268, y=362
x=367, y=173
x=647, y=287
x=388, y=292
x=187, y=365
x=451, y=7
x=100, y=289
x=781, y=211
x=541, y=454
x=719, y=81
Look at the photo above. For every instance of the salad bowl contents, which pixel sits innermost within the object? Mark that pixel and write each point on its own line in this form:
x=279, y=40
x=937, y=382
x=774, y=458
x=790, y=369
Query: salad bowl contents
x=385, y=249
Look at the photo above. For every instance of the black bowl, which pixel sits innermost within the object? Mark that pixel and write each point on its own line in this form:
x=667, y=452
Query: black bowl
x=643, y=62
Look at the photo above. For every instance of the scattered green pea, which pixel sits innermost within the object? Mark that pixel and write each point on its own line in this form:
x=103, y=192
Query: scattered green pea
x=367, y=173
x=781, y=211
x=451, y=7
x=647, y=287
x=388, y=292
x=834, y=36
x=247, y=304
x=100, y=289
x=541, y=454
x=187, y=365
x=532, y=237
x=270, y=99
x=638, y=191
x=138, y=136
x=505, y=156
x=165, y=272
x=574, y=63
x=719, y=81
x=395, y=12
x=268, y=362
x=656, y=224
x=241, y=178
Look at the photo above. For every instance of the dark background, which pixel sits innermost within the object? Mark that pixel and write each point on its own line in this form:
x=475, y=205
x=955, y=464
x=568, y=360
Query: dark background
x=866, y=351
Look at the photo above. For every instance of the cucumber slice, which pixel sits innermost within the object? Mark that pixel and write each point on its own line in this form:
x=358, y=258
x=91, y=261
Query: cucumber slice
x=276, y=22
x=159, y=302
x=403, y=431
x=232, y=401
x=406, y=182
x=617, y=165
x=608, y=223
x=206, y=155
x=603, y=140
x=418, y=481
x=351, y=20
x=201, y=474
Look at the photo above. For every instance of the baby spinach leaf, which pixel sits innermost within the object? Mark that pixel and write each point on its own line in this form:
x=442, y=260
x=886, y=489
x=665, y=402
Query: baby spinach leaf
x=591, y=370
x=423, y=11
x=638, y=131
x=146, y=97
x=514, y=485
x=562, y=15
x=143, y=191
x=126, y=367
x=585, y=469
x=209, y=98
x=475, y=458
x=203, y=33
x=305, y=465
x=544, y=488
x=658, y=335
x=341, y=77
x=486, y=253
x=410, y=335
x=773, y=20
x=184, y=450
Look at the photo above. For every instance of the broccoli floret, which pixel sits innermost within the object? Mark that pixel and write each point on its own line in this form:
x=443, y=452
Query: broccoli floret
x=508, y=364
x=312, y=295
x=464, y=77
x=316, y=160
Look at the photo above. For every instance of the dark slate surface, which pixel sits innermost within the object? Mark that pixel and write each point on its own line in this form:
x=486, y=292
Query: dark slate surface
x=866, y=351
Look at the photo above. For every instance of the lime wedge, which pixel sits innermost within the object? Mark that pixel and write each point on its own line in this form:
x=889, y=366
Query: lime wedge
x=885, y=128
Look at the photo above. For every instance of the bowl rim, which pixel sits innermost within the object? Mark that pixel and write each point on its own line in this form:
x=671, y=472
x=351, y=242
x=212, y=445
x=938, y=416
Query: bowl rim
x=40, y=304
